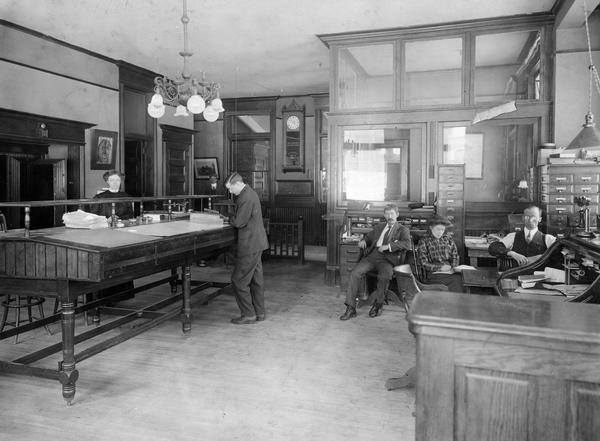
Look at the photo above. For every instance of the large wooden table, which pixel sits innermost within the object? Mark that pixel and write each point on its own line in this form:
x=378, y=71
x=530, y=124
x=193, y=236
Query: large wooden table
x=67, y=263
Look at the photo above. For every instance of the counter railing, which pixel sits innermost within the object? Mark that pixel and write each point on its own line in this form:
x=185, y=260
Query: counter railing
x=81, y=203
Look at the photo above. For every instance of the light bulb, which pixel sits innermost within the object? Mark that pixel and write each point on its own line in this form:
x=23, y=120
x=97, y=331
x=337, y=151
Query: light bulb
x=210, y=114
x=217, y=104
x=157, y=100
x=156, y=111
x=196, y=104
x=181, y=111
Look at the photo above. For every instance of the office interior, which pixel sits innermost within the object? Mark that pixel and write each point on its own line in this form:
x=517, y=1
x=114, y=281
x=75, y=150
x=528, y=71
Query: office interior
x=377, y=106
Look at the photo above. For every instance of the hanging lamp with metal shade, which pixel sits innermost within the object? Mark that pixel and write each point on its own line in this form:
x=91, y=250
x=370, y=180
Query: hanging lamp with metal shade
x=589, y=135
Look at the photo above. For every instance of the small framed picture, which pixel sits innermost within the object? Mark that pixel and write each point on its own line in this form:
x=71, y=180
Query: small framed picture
x=104, y=150
x=204, y=168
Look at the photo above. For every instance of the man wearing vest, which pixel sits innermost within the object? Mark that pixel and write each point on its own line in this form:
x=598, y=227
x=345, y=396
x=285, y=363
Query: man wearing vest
x=522, y=247
x=384, y=248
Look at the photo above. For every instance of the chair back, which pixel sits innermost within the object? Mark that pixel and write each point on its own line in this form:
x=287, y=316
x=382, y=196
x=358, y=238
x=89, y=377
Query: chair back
x=418, y=270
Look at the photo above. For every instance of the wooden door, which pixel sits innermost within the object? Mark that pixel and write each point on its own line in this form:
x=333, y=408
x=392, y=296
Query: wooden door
x=44, y=180
x=177, y=150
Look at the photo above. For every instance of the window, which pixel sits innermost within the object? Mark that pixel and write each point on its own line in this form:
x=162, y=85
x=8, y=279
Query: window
x=365, y=76
x=507, y=66
x=433, y=72
x=375, y=164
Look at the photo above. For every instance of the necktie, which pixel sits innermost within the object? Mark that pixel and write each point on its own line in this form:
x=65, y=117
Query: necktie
x=383, y=236
x=528, y=236
x=386, y=236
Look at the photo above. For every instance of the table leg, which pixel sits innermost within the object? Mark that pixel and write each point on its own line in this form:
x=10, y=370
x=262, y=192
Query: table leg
x=173, y=282
x=186, y=318
x=68, y=375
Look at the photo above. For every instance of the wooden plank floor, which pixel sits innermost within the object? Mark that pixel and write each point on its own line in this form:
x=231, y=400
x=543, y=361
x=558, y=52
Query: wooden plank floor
x=300, y=375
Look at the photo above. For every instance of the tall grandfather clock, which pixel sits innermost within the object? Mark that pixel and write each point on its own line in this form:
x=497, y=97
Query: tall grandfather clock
x=293, y=138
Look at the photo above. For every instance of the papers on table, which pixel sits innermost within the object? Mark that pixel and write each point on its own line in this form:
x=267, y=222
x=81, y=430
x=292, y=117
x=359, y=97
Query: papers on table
x=84, y=220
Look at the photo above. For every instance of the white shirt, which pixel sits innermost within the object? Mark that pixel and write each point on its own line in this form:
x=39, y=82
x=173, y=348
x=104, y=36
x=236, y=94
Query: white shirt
x=509, y=239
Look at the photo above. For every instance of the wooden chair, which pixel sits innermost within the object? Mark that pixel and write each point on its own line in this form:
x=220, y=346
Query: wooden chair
x=17, y=303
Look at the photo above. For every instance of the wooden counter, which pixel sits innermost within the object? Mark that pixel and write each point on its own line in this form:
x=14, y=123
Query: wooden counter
x=492, y=368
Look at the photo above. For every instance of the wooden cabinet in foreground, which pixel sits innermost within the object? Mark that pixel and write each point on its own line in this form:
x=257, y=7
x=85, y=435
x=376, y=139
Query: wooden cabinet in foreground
x=498, y=369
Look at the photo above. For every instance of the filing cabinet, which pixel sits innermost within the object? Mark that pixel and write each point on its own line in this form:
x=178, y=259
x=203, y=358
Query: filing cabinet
x=560, y=184
x=451, y=200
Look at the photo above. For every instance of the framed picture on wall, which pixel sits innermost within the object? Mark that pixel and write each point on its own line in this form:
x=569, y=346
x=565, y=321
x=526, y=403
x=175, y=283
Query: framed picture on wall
x=204, y=168
x=104, y=150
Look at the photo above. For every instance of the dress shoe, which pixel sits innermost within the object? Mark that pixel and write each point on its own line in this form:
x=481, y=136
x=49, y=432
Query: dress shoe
x=260, y=318
x=350, y=312
x=375, y=309
x=243, y=320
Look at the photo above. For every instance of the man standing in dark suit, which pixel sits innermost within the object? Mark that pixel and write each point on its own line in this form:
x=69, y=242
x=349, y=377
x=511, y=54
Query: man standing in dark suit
x=247, y=277
x=384, y=248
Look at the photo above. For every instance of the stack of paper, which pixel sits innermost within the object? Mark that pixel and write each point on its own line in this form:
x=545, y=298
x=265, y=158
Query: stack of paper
x=212, y=219
x=82, y=219
x=529, y=280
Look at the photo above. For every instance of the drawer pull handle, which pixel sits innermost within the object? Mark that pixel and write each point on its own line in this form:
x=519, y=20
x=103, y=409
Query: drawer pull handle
x=561, y=179
x=560, y=209
x=561, y=199
x=586, y=189
x=586, y=178
x=561, y=189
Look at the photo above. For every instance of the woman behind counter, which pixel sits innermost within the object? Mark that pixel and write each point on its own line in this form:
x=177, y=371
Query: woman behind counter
x=122, y=209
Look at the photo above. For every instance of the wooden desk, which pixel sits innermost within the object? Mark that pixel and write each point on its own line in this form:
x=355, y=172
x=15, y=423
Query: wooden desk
x=66, y=263
x=475, y=251
x=503, y=369
x=479, y=278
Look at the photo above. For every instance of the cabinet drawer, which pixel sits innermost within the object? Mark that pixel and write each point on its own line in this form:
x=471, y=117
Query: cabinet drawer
x=451, y=171
x=450, y=203
x=560, y=179
x=450, y=179
x=560, y=209
x=455, y=212
x=558, y=220
x=349, y=253
x=586, y=178
x=585, y=188
x=450, y=186
x=450, y=194
x=557, y=188
x=558, y=199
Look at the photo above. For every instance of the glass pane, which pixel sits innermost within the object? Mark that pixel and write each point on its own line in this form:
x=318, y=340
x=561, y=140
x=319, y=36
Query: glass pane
x=365, y=77
x=251, y=160
x=502, y=154
x=433, y=72
x=375, y=164
x=507, y=66
x=245, y=124
x=460, y=146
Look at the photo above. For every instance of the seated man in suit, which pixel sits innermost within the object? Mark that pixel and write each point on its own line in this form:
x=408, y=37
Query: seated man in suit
x=438, y=256
x=384, y=248
x=522, y=247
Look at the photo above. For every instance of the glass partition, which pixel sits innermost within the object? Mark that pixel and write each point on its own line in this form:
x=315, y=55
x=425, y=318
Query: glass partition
x=365, y=76
x=433, y=72
x=501, y=153
x=507, y=66
x=375, y=164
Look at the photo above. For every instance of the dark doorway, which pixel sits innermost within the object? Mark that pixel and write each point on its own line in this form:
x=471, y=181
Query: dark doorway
x=134, y=168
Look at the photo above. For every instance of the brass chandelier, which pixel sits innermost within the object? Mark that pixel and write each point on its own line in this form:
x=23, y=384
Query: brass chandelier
x=185, y=92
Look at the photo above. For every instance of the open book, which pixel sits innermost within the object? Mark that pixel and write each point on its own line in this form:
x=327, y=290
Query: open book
x=456, y=269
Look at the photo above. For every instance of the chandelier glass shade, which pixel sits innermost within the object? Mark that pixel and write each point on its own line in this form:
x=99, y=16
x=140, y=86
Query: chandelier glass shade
x=185, y=93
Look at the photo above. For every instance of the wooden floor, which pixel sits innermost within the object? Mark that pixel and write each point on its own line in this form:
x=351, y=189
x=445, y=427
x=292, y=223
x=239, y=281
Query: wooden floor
x=300, y=375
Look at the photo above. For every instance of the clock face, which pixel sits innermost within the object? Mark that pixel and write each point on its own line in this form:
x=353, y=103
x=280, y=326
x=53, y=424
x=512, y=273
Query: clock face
x=293, y=122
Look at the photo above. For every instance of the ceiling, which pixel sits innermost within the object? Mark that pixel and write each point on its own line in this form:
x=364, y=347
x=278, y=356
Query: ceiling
x=257, y=48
